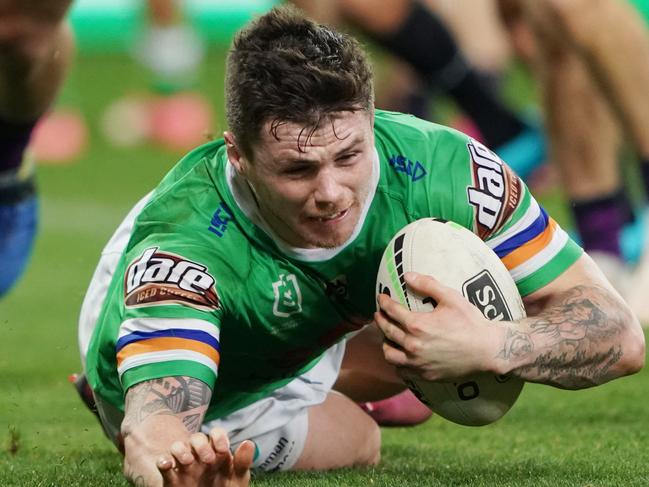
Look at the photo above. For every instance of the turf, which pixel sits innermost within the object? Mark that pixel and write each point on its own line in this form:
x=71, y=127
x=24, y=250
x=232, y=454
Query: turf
x=550, y=438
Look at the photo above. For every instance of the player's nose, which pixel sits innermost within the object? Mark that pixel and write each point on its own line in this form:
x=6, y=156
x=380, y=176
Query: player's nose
x=328, y=190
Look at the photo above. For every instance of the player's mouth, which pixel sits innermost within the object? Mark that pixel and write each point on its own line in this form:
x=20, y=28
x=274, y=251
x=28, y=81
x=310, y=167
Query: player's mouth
x=331, y=218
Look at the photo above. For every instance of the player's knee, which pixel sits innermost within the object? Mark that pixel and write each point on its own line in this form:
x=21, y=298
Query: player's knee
x=370, y=451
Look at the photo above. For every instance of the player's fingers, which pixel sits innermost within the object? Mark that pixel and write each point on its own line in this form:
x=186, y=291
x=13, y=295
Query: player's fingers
x=221, y=446
x=428, y=286
x=202, y=448
x=243, y=457
x=182, y=453
x=394, y=310
x=219, y=440
x=390, y=329
x=406, y=372
x=167, y=468
x=394, y=355
x=165, y=462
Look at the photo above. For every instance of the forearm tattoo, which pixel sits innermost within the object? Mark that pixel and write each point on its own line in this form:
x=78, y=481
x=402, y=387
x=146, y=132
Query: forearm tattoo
x=184, y=397
x=573, y=343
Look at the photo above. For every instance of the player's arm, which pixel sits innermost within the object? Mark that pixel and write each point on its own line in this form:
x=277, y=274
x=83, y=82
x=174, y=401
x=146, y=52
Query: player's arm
x=163, y=444
x=579, y=333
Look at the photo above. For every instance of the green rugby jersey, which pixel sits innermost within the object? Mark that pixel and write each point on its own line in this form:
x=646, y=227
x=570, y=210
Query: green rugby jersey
x=202, y=291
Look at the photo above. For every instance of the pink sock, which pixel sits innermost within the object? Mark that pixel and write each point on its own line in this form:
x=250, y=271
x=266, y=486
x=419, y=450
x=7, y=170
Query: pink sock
x=404, y=409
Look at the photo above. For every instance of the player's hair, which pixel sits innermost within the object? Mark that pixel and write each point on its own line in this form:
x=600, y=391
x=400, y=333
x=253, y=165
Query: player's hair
x=284, y=67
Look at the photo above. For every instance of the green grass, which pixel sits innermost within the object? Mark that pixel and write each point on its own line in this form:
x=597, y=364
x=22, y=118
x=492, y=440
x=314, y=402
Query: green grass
x=551, y=438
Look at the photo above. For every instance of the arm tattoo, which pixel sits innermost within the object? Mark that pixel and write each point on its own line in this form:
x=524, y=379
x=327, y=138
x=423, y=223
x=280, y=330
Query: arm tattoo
x=573, y=343
x=184, y=397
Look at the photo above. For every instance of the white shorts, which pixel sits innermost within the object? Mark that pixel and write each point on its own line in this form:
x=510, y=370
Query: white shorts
x=277, y=424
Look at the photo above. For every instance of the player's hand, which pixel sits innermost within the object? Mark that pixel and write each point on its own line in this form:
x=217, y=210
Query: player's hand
x=206, y=461
x=452, y=341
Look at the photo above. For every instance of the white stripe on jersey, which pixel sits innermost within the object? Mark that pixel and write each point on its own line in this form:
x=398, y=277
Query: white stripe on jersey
x=165, y=356
x=531, y=265
x=532, y=213
x=157, y=324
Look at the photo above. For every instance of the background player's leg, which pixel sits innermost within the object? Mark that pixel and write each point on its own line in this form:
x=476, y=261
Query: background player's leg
x=614, y=41
x=583, y=134
x=340, y=435
x=35, y=50
x=584, y=141
x=405, y=28
x=477, y=26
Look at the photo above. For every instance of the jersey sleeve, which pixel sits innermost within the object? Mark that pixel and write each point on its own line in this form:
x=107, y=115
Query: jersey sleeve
x=533, y=247
x=171, y=317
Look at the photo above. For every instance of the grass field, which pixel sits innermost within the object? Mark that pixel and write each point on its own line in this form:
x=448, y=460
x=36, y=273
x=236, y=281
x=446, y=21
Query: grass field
x=592, y=438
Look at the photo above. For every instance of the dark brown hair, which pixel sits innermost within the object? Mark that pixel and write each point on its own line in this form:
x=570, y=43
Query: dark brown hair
x=284, y=67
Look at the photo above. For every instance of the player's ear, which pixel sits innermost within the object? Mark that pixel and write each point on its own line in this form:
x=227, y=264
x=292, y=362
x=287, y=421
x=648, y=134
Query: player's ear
x=235, y=156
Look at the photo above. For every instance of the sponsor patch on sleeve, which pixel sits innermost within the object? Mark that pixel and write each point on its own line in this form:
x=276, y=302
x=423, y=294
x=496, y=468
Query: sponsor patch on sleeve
x=158, y=278
x=496, y=190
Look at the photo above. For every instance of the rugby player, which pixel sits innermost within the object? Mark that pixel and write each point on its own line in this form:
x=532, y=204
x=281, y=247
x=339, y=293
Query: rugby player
x=35, y=50
x=224, y=305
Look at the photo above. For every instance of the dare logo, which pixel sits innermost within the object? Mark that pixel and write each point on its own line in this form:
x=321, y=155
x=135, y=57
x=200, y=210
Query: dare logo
x=483, y=292
x=157, y=278
x=496, y=190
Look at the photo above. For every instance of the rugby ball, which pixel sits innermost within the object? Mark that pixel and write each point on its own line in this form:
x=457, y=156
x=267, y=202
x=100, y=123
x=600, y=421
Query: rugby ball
x=459, y=259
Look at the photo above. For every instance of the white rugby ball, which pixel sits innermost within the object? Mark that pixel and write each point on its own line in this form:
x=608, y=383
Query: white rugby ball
x=461, y=260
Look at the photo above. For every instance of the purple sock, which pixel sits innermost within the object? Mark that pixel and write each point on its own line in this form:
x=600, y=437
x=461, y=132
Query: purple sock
x=14, y=138
x=599, y=222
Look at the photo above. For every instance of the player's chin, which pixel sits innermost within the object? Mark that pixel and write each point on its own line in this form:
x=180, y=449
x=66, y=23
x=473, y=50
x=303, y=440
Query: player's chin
x=329, y=234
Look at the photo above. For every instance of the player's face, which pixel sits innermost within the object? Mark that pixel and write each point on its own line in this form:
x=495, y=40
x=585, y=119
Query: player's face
x=311, y=189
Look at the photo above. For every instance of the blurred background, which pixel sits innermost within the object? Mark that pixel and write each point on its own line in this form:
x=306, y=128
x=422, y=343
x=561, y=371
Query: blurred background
x=145, y=86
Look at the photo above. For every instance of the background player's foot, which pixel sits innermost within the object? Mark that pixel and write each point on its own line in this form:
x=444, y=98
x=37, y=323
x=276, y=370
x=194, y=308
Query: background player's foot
x=633, y=238
x=18, y=225
x=404, y=409
x=638, y=290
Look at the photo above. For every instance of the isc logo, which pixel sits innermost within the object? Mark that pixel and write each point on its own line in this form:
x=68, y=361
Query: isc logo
x=483, y=292
x=161, y=277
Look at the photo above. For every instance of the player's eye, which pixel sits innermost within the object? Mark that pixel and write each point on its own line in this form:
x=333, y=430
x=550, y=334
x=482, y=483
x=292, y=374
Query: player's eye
x=297, y=171
x=347, y=158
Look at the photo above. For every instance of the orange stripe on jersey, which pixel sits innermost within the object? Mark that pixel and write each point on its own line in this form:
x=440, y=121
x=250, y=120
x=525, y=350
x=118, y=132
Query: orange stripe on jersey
x=163, y=344
x=530, y=248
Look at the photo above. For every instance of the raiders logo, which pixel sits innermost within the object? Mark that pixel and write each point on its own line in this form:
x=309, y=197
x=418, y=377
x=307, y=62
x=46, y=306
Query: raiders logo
x=157, y=278
x=496, y=190
x=483, y=292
